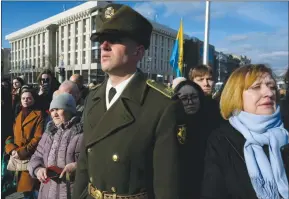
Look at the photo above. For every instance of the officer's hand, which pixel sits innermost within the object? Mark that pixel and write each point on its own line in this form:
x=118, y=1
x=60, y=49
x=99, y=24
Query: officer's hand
x=71, y=167
x=42, y=174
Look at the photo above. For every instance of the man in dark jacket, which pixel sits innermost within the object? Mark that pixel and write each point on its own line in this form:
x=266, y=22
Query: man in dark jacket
x=130, y=127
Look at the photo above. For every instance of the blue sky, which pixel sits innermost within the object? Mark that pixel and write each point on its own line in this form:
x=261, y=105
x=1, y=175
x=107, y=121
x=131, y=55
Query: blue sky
x=256, y=29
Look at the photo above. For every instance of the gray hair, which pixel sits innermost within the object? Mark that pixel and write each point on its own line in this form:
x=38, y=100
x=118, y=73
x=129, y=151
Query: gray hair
x=71, y=88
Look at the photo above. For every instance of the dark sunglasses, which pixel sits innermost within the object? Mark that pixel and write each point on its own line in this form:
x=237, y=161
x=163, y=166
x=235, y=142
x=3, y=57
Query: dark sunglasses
x=112, y=39
x=45, y=79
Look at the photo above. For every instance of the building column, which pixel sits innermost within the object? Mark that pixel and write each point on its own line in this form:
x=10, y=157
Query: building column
x=36, y=53
x=65, y=54
x=32, y=51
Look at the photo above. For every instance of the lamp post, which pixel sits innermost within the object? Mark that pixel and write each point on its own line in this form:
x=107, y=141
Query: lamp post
x=220, y=57
x=149, y=59
x=61, y=69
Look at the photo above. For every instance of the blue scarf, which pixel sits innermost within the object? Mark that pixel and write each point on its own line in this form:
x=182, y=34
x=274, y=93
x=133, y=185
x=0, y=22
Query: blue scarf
x=268, y=178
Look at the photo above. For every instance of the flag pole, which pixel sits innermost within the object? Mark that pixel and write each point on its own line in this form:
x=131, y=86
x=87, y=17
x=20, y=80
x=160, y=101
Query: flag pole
x=206, y=36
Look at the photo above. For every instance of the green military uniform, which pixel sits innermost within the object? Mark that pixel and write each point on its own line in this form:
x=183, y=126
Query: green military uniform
x=131, y=148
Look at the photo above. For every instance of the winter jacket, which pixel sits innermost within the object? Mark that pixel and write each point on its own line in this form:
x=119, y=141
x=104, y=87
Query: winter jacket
x=59, y=146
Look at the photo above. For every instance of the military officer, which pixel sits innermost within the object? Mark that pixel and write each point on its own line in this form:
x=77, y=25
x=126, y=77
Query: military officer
x=131, y=126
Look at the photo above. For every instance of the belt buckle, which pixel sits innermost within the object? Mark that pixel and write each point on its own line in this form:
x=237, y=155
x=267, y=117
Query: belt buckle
x=97, y=194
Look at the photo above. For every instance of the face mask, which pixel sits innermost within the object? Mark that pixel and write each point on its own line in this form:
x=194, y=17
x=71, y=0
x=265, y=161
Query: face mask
x=190, y=99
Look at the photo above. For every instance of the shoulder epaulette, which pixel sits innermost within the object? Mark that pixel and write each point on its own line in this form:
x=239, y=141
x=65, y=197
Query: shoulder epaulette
x=96, y=86
x=163, y=89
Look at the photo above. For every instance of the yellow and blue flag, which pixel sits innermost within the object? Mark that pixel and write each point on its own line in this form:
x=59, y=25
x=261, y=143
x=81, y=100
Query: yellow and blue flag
x=177, y=56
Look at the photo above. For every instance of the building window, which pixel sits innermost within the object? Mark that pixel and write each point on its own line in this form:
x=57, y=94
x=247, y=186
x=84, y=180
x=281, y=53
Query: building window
x=84, y=25
x=34, y=51
x=69, y=45
x=76, y=57
x=38, y=51
x=76, y=43
x=69, y=30
x=156, y=39
x=43, y=37
x=83, y=57
x=38, y=39
x=34, y=39
x=94, y=44
x=84, y=41
x=85, y=76
x=95, y=56
x=76, y=28
x=43, y=50
x=93, y=23
x=29, y=41
x=68, y=59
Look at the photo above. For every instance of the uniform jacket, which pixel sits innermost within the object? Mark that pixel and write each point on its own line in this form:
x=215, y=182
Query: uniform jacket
x=133, y=146
x=57, y=147
x=25, y=140
x=226, y=175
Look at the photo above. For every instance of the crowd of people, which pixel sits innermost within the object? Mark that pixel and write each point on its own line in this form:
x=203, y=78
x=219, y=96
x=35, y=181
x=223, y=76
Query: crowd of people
x=133, y=138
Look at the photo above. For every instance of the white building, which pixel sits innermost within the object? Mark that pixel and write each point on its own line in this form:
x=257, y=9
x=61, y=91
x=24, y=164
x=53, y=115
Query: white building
x=64, y=40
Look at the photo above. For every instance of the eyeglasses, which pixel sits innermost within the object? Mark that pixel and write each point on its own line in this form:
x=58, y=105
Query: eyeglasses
x=45, y=79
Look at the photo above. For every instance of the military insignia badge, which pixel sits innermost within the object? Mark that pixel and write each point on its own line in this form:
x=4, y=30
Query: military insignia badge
x=182, y=133
x=109, y=12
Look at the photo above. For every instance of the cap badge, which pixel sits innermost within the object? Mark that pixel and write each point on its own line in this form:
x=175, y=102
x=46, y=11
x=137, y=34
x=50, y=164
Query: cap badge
x=109, y=12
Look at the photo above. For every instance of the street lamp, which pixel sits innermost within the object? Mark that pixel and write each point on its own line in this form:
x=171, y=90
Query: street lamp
x=149, y=59
x=220, y=57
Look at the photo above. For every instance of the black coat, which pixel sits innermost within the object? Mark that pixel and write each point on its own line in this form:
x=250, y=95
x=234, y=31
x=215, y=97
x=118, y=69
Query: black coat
x=226, y=175
x=133, y=146
x=284, y=108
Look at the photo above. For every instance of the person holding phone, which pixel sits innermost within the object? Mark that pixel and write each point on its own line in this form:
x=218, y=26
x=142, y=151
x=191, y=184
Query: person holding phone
x=47, y=85
x=58, y=150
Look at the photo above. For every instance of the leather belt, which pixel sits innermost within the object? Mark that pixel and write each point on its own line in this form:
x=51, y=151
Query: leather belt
x=98, y=194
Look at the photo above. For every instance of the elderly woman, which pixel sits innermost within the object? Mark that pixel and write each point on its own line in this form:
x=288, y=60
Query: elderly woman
x=243, y=156
x=58, y=148
x=27, y=132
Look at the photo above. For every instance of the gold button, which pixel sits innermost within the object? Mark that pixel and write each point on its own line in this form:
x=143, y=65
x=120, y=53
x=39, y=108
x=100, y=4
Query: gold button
x=89, y=150
x=90, y=179
x=113, y=189
x=115, y=158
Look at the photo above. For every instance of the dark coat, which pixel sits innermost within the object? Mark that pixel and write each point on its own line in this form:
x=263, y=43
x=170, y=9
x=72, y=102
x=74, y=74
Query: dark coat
x=133, y=146
x=226, y=175
x=284, y=107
